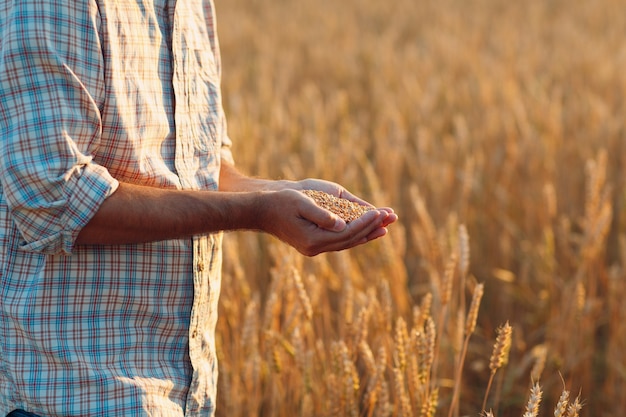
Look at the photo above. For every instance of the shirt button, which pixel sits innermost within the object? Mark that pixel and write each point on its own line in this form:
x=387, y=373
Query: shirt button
x=200, y=266
x=194, y=334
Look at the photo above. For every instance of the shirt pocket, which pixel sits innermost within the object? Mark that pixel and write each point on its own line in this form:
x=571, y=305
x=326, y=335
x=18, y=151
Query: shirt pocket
x=205, y=98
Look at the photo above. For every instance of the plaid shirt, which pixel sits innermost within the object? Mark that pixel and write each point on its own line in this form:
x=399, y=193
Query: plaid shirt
x=91, y=93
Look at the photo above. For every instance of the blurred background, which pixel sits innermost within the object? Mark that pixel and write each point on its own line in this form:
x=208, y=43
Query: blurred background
x=496, y=130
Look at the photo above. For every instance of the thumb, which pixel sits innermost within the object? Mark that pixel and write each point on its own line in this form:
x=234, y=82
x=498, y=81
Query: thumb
x=326, y=219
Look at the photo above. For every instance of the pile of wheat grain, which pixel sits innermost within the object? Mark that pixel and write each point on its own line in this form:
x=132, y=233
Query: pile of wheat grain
x=342, y=207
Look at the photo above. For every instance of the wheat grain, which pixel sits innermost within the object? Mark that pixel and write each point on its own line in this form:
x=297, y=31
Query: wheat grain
x=349, y=376
x=249, y=332
x=401, y=340
x=551, y=201
x=501, y=348
x=308, y=407
x=305, y=301
x=373, y=384
x=382, y=360
x=448, y=279
x=464, y=250
x=334, y=395
x=370, y=398
x=534, y=400
x=368, y=357
x=272, y=308
x=404, y=404
x=361, y=328
x=348, y=302
x=299, y=349
x=561, y=406
x=415, y=387
x=421, y=313
x=499, y=356
x=386, y=304
x=429, y=407
x=427, y=356
x=540, y=353
x=384, y=406
x=574, y=408
x=277, y=362
x=346, y=209
x=427, y=235
x=580, y=297
x=472, y=315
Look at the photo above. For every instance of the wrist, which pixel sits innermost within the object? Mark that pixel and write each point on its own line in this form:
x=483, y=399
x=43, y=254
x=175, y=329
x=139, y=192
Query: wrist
x=281, y=185
x=258, y=210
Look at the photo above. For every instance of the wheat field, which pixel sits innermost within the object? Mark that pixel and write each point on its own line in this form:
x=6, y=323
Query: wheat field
x=497, y=132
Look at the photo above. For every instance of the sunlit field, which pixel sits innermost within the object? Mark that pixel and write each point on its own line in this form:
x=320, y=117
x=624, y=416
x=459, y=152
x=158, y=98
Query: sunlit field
x=496, y=130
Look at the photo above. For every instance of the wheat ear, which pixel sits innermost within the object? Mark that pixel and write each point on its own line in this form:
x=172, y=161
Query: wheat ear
x=499, y=356
x=561, y=405
x=532, y=407
x=574, y=408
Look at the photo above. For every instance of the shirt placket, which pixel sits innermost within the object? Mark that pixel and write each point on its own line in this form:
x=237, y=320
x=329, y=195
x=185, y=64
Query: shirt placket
x=200, y=386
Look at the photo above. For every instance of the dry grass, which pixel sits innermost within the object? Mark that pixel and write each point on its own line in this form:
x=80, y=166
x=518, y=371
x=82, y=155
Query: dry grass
x=496, y=130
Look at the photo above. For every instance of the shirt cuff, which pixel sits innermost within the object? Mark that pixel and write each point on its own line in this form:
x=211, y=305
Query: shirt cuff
x=226, y=152
x=87, y=189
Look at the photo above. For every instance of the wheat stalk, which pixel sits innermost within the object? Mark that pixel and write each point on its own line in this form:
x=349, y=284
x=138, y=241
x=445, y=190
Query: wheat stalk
x=250, y=328
x=404, y=404
x=427, y=351
x=429, y=407
x=478, y=147
x=384, y=406
x=303, y=297
x=361, y=327
x=401, y=341
x=470, y=325
x=422, y=312
x=464, y=261
x=499, y=356
x=387, y=304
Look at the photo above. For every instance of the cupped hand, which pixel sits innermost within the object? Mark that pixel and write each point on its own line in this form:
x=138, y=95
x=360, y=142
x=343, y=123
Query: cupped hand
x=297, y=220
x=339, y=191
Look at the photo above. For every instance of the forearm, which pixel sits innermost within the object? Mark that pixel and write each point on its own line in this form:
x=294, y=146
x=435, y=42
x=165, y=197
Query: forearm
x=136, y=214
x=232, y=180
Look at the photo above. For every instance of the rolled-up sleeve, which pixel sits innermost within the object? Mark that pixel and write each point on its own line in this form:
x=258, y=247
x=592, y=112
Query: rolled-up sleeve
x=226, y=153
x=51, y=89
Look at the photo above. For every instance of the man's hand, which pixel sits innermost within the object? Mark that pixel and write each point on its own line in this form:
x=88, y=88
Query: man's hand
x=299, y=221
x=338, y=191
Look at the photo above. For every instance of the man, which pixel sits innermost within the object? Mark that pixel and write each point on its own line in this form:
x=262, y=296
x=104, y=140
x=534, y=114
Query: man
x=117, y=181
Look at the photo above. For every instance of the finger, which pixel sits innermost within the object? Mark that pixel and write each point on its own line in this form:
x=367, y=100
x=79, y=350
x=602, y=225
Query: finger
x=358, y=231
x=378, y=233
x=368, y=227
x=322, y=217
x=371, y=228
x=389, y=219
